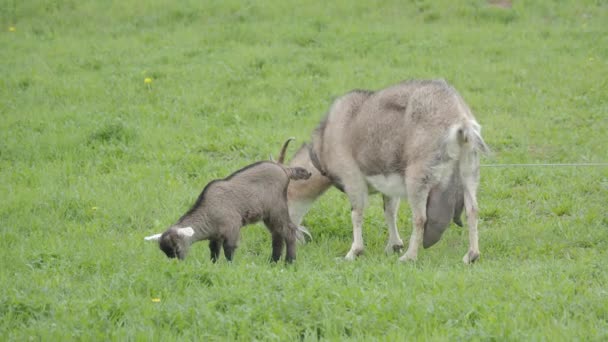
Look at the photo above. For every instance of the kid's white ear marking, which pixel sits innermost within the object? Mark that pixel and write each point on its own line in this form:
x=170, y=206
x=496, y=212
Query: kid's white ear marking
x=154, y=237
x=185, y=232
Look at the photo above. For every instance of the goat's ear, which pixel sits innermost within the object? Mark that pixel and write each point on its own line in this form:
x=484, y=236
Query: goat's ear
x=154, y=237
x=185, y=232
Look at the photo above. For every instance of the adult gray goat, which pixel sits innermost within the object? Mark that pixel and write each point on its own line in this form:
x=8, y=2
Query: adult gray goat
x=416, y=140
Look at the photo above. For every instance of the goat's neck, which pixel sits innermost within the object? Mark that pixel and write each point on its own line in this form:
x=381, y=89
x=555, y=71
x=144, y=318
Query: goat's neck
x=200, y=224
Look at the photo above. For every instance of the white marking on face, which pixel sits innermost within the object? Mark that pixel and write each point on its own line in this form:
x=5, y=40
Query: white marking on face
x=154, y=237
x=392, y=185
x=185, y=232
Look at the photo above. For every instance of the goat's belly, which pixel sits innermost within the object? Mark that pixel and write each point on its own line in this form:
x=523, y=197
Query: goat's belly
x=392, y=185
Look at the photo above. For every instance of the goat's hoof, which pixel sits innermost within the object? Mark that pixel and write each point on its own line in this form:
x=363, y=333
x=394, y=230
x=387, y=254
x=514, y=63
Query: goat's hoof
x=471, y=257
x=407, y=257
x=353, y=254
x=393, y=248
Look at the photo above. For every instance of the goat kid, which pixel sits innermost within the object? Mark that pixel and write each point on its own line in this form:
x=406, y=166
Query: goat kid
x=255, y=193
x=416, y=140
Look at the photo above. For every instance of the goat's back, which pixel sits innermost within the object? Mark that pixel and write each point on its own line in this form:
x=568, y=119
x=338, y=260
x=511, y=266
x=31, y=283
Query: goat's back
x=257, y=183
x=385, y=130
x=248, y=194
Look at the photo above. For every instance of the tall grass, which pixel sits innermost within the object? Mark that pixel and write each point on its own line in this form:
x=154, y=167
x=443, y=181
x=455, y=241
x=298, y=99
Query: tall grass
x=92, y=159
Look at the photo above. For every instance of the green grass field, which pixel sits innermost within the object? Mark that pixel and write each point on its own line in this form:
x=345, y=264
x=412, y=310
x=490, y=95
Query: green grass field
x=92, y=159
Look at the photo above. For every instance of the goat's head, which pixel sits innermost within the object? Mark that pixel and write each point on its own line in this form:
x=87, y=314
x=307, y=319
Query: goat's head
x=175, y=242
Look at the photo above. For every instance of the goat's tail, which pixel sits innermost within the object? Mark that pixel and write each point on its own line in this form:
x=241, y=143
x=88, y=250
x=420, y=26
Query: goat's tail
x=283, y=150
x=468, y=136
x=297, y=173
x=465, y=145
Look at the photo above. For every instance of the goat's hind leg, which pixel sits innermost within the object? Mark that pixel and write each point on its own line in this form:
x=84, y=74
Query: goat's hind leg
x=391, y=205
x=290, y=242
x=469, y=173
x=470, y=203
x=417, y=194
x=283, y=231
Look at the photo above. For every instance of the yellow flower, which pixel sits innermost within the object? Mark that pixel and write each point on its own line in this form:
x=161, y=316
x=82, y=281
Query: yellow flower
x=12, y=29
x=156, y=300
x=147, y=80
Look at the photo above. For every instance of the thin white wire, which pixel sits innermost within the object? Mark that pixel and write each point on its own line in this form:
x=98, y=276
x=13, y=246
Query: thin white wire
x=546, y=164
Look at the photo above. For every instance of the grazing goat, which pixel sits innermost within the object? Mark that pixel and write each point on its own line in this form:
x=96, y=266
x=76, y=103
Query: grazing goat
x=255, y=193
x=416, y=140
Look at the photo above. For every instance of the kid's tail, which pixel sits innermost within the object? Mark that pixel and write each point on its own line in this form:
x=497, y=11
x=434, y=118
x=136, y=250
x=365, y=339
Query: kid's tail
x=297, y=173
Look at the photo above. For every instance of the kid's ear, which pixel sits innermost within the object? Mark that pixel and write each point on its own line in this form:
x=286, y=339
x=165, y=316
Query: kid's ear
x=185, y=232
x=154, y=237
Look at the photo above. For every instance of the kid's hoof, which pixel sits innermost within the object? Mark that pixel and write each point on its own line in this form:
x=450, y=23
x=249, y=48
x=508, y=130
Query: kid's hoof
x=470, y=257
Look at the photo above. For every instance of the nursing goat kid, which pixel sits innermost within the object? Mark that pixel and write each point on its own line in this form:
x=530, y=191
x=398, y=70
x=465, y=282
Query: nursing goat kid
x=255, y=193
x=416, y=140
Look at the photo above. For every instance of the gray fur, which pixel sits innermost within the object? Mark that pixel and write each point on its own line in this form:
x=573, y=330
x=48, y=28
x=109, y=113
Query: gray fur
x=255, y=193
x=419, y=139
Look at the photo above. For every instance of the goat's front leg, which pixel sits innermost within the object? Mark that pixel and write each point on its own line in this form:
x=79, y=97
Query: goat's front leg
x=358, y=201
x=391, y=205
x=231, y=240
x=229, y=249
x=214, y=248
x=357, y=247
x=277, y=246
